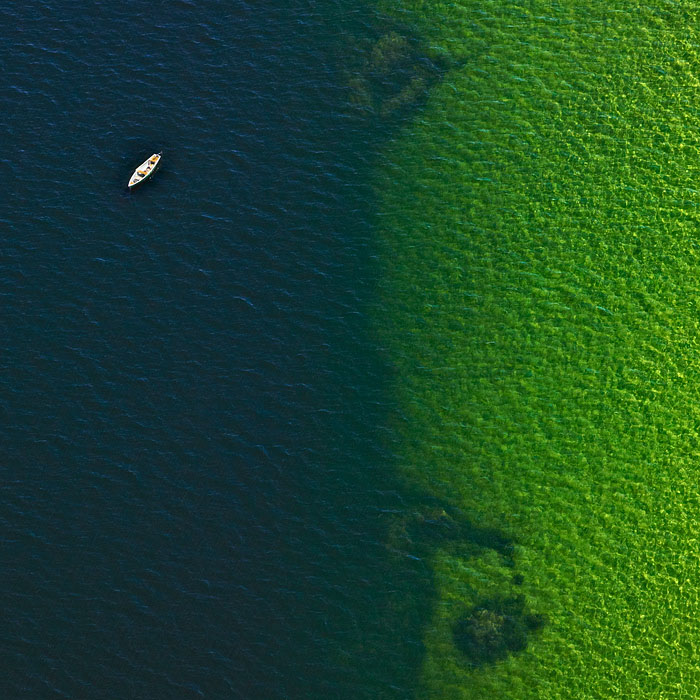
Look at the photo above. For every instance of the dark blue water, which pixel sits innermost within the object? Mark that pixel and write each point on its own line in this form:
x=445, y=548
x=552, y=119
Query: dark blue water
x=193, y=483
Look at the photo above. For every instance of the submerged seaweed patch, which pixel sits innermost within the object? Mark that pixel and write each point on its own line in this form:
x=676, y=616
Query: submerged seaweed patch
x=494, y=629
x=428, y=524
x=393, y=74
x=495, y=626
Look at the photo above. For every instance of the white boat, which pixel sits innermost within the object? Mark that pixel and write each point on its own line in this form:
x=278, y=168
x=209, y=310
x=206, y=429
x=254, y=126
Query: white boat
x=145, y=170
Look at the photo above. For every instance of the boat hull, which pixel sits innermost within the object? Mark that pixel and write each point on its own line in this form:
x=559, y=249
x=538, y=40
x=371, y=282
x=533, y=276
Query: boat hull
x=145, y=171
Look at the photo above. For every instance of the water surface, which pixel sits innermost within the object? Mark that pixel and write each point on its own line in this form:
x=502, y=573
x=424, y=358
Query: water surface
x=539, y=287
x=193, y=484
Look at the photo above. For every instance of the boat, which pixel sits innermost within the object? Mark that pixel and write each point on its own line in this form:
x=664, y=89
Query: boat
x=145, y=170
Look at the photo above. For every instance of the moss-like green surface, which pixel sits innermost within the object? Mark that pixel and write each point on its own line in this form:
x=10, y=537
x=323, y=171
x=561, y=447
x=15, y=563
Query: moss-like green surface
x=540, y=299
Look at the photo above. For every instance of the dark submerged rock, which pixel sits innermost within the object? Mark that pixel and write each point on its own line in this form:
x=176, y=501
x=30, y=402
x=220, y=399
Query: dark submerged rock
x=424, y=526
x=395, y=75
x=494, y=629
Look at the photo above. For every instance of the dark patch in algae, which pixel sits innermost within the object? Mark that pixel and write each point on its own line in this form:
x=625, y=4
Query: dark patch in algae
x=431, y=525
x=495, y=628
x=395, y=74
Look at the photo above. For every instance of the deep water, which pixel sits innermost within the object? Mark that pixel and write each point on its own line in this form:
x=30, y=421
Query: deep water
x=197, y=489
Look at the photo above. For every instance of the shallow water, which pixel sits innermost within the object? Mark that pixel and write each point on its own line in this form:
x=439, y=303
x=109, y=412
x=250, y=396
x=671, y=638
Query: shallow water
x=539, y=302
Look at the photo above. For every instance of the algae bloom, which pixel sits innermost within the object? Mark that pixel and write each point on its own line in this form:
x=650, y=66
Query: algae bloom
x=540, y=302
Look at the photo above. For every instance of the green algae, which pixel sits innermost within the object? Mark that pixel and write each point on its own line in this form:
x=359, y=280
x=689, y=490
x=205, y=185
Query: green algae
x=540, y=302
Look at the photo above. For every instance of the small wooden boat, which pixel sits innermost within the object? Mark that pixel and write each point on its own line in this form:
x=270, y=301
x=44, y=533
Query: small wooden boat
x=145, y=170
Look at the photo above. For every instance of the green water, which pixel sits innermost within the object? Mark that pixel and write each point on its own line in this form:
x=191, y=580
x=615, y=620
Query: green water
x=540, y=288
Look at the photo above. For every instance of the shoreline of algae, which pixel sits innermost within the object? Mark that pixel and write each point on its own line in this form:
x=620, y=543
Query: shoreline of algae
x=540, y=254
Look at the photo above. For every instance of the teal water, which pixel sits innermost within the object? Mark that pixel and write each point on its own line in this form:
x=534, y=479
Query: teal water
x=194, y=499
x=539, y=303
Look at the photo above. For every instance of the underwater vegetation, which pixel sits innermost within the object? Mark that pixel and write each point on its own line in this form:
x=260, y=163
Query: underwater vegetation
x=495, y=628
x=428, y=525
x=538, y=298
x=392, y=73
